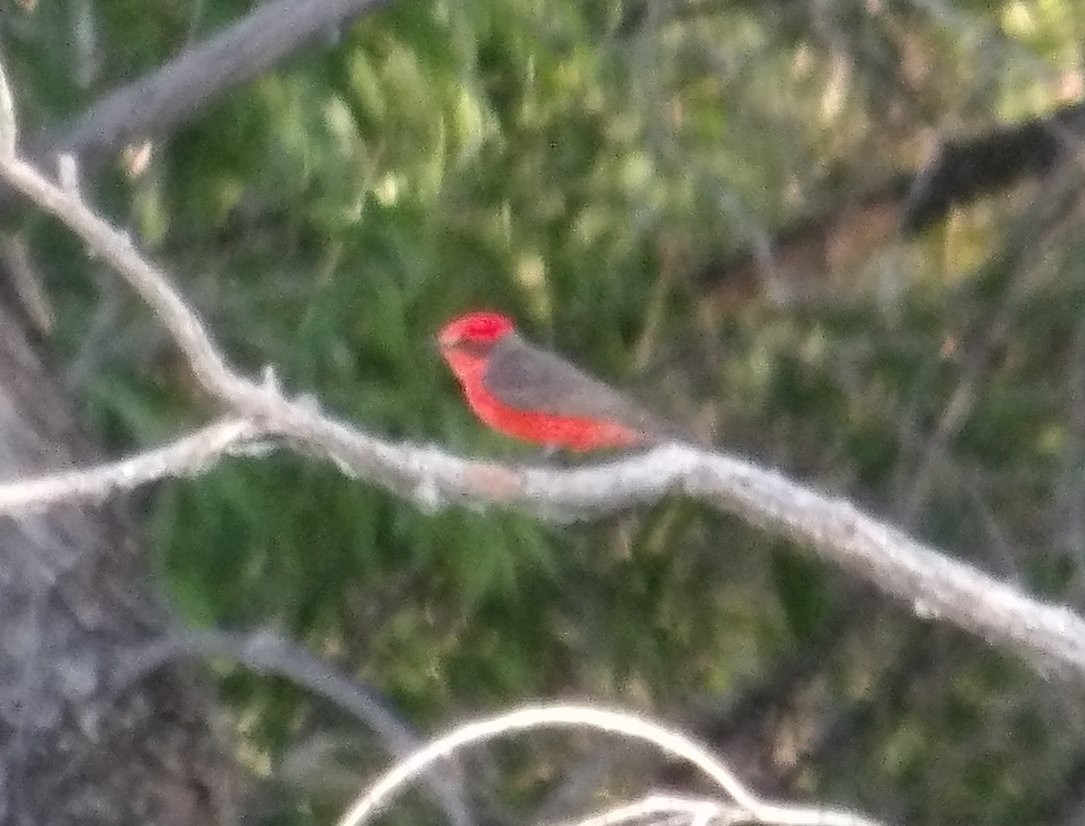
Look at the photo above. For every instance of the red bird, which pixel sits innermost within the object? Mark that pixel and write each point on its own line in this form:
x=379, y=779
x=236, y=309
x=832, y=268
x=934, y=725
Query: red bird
x=533, y=395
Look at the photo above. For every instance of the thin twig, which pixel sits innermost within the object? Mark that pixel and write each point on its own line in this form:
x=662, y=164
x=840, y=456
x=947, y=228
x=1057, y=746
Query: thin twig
x=380, y=794
x=9, y=131
x=691, y=810
x=190, y=455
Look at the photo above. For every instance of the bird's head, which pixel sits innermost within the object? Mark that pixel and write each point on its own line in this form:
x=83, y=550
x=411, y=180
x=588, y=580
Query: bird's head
x=474, y=332
x=467, y=341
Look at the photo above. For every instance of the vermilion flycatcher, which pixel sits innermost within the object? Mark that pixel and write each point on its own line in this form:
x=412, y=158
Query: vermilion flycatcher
x=531, y=394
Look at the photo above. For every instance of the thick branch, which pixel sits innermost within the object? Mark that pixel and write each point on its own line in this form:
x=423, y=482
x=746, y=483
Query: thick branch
x=838, y=238
x=934, y=584
x=153, y=105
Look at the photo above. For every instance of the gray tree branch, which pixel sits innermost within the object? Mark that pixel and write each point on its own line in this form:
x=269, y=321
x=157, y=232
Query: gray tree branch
x=153, y=105
x=935, y=585
x=266, y=652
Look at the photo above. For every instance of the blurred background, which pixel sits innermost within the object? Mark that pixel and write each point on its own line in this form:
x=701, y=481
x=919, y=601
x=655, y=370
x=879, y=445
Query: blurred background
x=841, y=239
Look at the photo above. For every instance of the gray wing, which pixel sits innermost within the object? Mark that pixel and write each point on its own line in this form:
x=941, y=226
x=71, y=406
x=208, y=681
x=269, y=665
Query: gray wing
x=529, y=378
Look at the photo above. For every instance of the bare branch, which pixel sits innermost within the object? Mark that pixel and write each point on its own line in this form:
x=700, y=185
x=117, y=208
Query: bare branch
x=153, y=105
x=151, y=284
x=266, y=652
x=932, y=583
x=26, y=283
x=381, y=793
x=693, y=810
x=8, y=125
x=190, y=455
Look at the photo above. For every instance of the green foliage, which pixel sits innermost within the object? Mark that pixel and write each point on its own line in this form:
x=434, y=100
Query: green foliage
x=574, y=165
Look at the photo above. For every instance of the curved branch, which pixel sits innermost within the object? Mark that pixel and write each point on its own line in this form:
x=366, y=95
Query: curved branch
x=935, y=585
x=266, y=652
x=671, y=742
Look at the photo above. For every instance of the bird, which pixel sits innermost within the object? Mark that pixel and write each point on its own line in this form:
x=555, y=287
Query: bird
x=534, y=395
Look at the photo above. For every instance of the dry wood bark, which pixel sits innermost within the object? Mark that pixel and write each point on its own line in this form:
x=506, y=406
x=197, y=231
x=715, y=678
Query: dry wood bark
x=74, y=594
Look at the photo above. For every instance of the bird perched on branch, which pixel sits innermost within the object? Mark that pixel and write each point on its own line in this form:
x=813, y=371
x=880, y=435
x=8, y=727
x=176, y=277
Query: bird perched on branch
x=531, y=394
